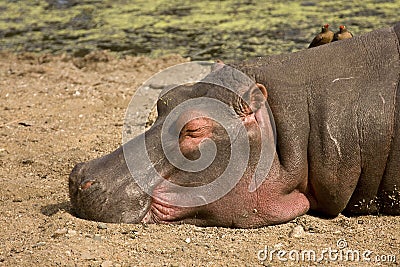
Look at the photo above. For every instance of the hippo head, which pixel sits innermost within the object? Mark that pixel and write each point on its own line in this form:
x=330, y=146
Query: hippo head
x=209, y=159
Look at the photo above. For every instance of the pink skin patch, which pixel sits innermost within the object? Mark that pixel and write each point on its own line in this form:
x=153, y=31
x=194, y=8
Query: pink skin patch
x=194, y=132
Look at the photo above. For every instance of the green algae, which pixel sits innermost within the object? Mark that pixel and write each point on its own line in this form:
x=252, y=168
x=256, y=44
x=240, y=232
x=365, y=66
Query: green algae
x=200, y=29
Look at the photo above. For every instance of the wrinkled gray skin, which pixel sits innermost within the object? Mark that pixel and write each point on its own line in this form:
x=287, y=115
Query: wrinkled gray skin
x=336, y=109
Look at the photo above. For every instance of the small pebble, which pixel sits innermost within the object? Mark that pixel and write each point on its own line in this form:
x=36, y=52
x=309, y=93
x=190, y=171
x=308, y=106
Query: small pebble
x=102, y=226
x=297, y=231
x=39, y=244
x=71, y=233
x=107, y=264
x=87, y=256
x=156, y=86
x=97, y=237
x=27, y=161
x=59, y=232
x=3, y=151
x=188, y=240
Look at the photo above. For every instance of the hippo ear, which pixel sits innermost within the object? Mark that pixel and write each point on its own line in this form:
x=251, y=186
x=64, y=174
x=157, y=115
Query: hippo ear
x=258, y=96
x=263, y=90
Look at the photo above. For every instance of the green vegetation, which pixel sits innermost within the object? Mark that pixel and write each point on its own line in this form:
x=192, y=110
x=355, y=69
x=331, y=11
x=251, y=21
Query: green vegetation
x=199, y=29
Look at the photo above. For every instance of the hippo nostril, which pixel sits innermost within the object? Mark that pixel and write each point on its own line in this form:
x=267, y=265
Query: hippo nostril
x=86, y=184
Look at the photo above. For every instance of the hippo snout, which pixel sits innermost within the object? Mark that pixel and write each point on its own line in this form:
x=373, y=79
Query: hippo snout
x=107, y=196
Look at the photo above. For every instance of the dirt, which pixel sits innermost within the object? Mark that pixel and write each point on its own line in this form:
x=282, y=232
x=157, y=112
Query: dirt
x=56, y=111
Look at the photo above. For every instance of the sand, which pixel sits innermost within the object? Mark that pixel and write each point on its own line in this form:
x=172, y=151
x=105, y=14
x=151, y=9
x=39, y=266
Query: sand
x=56, y=111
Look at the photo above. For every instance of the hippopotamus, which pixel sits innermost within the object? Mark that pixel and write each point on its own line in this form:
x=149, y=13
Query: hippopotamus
x=319, y=130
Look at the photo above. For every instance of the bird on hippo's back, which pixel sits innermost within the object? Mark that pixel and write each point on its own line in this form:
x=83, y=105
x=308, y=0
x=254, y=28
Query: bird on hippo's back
x=324, y=37
x=342, y=34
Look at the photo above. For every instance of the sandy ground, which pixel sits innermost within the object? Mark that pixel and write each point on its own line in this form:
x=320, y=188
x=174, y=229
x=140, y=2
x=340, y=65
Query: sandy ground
x=57, y=111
